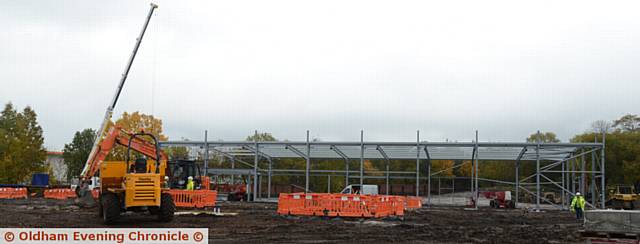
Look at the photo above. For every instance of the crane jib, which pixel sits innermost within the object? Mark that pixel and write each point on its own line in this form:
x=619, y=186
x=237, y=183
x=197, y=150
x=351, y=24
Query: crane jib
x=108, y=114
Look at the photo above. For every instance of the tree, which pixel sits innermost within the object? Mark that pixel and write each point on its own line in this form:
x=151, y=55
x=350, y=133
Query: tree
x=444, y=167
x=544, y=137
x=622, y=155
x=177, y=152
x=629, y=122
x=21, y=145
x=265, y=136
x=600, y=126
x=75, y=154
x=135, y=122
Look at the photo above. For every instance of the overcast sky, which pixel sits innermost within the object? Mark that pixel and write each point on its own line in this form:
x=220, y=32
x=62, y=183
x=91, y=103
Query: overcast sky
x=446, y=68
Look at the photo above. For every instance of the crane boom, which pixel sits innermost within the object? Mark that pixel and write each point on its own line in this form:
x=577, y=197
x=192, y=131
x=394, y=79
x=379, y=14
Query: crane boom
x=109, y=113
x=116, y=135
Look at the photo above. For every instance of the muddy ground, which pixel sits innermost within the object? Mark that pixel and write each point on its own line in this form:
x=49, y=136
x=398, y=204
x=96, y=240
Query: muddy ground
x=258, y=223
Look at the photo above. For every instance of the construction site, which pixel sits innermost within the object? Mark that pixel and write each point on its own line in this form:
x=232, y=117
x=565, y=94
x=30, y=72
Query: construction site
x=264, y=190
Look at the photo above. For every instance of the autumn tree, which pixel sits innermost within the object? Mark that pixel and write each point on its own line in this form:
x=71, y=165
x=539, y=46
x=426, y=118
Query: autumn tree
x=75, y=153
x=21, y=145
x=135, y=122
x=444, y=167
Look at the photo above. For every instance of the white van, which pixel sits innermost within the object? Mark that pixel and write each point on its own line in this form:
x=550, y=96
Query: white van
x=364, y=190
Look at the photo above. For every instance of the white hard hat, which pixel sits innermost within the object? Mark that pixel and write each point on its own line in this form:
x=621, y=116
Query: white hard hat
x=190, y=177
x=577, y=193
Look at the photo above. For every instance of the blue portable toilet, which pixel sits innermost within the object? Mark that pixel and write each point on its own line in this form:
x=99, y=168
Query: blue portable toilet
x=40, y=179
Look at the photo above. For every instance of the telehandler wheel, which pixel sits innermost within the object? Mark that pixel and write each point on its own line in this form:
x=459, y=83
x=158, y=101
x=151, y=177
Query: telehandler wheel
x=100, y=213
x=167, y=207
x=110, y=208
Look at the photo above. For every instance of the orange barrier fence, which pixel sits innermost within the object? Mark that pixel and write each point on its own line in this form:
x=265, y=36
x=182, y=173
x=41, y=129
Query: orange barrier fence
x=193, y=198
x=95, y=193
x=13, y=193
x=60, y=193
x=413, y=202
x=345, y=205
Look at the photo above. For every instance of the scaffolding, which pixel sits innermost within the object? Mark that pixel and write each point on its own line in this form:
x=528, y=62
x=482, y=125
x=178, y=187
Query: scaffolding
x=563, y=161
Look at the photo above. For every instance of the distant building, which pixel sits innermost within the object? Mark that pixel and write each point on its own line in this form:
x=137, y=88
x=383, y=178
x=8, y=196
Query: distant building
x=56, y=163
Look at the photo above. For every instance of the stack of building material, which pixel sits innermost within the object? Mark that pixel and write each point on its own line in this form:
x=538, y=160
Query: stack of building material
x=607, y=226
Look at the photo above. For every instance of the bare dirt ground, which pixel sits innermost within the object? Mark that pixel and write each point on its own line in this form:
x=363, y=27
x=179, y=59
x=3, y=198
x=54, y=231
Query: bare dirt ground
x=258, y=223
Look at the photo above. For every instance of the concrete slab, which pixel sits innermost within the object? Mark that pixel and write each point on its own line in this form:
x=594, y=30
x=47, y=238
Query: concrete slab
x=612, y=221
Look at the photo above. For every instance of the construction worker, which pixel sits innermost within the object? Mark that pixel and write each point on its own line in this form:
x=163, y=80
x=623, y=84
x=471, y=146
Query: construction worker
x=577, y=205
x=190, y=183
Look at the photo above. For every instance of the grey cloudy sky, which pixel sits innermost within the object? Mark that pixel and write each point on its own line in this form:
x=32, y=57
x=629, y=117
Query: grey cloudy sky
x=446, y=68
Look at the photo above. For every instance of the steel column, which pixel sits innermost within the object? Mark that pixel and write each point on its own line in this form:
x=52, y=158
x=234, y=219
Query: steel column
x=583, y=180
x=255, y=166
x=602, y=180
x=361, y=158
x=417, y=163
x=426, y=151
x=206, y=152
x=308, y=165
x=538, y=171
x=562, y=198
x=477, y=174
x=593, y=179
x=269, y=178
x=517, y=181
x=233, y=166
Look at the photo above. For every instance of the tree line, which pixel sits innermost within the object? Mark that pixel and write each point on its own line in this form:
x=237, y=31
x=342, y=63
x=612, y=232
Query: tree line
x=22, y=152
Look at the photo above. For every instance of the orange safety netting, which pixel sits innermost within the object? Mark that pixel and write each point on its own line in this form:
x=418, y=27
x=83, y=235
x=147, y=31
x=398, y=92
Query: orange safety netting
x=193, y=198
x=13, y=193
x=345, y=205
x=60, y=193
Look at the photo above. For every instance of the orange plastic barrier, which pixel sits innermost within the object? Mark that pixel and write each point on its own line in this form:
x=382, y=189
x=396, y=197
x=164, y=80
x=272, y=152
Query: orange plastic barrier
x=13, y=193
x=60, y=193
x=345, y=205
x=413, y=203
x=194, y=198
x=95, y=193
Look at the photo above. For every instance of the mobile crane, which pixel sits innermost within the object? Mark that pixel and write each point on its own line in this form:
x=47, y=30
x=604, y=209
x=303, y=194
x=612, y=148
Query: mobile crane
x=127, y=186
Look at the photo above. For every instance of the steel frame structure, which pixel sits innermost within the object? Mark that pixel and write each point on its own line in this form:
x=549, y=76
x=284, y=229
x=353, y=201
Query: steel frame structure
x=564, y=159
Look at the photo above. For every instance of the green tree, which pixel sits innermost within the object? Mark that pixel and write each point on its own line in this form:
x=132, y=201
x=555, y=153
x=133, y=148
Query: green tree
x=622, y=151
x=75, y=154
x=21, y=145
x=265, y=136
x=545, y=137
x=629, y=122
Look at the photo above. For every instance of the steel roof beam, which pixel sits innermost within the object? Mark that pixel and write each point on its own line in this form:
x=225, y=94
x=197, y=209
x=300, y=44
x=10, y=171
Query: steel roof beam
x=339, y=152
x=296, y=151
x=261, y=154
